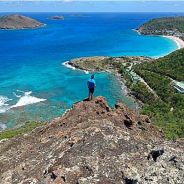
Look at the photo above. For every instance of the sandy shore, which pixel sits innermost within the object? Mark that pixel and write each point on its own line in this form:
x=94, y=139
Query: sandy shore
x=179, y=41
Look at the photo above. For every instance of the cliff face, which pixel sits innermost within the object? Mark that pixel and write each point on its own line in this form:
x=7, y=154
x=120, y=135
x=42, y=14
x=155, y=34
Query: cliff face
x=18, y=22
x=93, y=143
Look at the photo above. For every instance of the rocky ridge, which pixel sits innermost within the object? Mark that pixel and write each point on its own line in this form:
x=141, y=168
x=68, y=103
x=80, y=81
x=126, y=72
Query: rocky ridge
x=18, y=22
x=93, y=144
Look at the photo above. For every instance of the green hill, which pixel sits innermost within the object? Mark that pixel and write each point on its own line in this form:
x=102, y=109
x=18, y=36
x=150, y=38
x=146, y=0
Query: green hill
x=171, y=65
x=164, y=26
x=168, y=111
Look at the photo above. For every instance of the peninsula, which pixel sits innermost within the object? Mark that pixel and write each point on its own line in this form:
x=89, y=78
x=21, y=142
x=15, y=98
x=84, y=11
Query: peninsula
x=18, y=22
x=170, y=27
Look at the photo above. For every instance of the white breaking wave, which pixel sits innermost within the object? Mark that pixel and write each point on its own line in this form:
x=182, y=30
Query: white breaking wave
x=2, y=126
x=4, y=106
x=68, y=66
x=18, y=96
x=73, y=68
x=27, y=99
x=86, y=72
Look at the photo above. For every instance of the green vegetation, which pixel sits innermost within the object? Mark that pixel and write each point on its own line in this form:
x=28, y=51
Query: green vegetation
x=164, y=26
x=162, y=103
x=171, y=65
x=19, y=131
x=168, y=111
x=159, y=83
x=141, y=92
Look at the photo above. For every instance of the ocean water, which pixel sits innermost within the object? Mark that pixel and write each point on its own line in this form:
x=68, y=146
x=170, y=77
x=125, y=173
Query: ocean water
x=34, y=85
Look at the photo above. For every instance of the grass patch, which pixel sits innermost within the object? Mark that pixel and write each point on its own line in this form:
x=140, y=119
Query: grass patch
x=19, y=131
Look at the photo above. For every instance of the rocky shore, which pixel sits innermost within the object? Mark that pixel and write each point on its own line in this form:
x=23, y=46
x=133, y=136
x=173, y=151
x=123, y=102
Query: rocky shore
x=19, y=22
x=93, y=143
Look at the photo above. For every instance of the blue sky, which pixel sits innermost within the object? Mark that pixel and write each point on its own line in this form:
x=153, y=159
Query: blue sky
x=91, y=6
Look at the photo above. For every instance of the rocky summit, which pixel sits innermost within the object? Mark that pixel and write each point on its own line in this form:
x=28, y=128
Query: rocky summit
x=93, y=144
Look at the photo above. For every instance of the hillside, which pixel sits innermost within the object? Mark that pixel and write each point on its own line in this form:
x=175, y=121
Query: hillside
x=18, y=22
x=171, y=65
x=93, y=143
x=164, y=26
x=166, y=112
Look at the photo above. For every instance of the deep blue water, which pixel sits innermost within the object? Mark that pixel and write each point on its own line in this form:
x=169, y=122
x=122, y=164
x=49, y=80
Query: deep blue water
x=31, y=60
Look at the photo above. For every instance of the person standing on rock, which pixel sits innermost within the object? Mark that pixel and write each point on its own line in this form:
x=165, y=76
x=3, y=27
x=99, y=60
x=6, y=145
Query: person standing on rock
x=91, y=86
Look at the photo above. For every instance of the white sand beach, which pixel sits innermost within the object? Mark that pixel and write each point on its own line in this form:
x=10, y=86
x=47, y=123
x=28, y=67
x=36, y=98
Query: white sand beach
x=179, y=41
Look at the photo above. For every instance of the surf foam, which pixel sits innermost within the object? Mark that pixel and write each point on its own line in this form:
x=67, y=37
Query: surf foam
x=27, y=99
x=68, y=66
x=2, y=126
x=4, y=106
x=73, y=68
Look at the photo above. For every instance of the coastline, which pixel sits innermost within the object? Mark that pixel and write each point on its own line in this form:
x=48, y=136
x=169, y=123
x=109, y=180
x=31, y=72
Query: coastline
x=179, y=42
x=114, y=72
x=24, y=28
x=68, y=65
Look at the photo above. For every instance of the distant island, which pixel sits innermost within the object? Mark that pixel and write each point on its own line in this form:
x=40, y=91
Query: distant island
x=56, y=17
x=18, y=22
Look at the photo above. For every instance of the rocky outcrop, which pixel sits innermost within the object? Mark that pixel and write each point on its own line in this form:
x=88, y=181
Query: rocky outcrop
x=18, y=22
x=93, y=144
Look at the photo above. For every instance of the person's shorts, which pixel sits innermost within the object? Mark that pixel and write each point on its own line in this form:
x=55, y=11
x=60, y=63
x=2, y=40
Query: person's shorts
x=91, y=90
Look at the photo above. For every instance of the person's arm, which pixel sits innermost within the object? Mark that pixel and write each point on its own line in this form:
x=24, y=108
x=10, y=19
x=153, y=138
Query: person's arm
x=94, y=83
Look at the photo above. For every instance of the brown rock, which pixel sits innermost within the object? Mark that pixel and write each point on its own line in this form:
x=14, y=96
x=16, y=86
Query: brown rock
x=18, y=22
x=93, y=144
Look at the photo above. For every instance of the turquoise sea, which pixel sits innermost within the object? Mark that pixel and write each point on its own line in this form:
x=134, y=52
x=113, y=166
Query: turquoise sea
x=34, y=85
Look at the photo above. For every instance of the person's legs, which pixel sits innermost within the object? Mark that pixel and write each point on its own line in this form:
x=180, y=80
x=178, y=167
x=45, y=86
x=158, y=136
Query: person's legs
x=91, y=91
x=89, y=95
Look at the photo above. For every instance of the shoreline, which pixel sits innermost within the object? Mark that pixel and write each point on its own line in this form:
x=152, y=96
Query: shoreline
x=122, y=82
x=179, y=42
x=67, y=65
x=24, y=28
